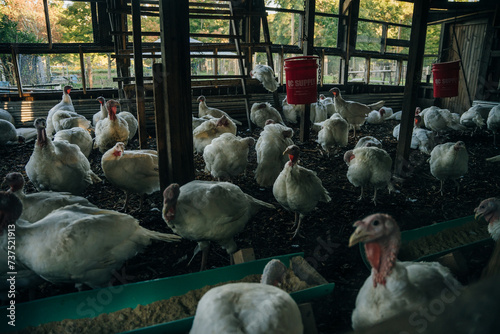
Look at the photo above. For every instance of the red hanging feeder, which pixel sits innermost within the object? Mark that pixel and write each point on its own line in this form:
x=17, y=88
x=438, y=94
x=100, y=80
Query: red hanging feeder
x=301, y=79
x=445, y=78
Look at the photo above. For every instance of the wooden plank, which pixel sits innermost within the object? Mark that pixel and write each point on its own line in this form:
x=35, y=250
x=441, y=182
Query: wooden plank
x=139, y=74
x=413, y=75
x=174, y=25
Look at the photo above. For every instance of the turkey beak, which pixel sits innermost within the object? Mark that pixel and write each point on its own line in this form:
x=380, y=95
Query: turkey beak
x=359, y=235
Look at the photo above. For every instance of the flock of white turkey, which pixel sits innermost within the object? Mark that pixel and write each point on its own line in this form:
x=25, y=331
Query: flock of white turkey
x=55, y=225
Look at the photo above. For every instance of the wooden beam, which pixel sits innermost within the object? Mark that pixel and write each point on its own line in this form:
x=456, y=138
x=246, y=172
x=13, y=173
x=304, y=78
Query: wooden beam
x=413, y=78
x=95, y=22
x=17, y=73
x=367, y=70
x=350, y=42
x=47, y=22
x=308, y=46
x=103, y=24
x=139, y=74
x=166, y=175
x=174, y=25
x=383, y=40
x=82, y=71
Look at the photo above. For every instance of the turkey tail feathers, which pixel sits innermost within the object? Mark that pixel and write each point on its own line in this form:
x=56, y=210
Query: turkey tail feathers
x=376, y=105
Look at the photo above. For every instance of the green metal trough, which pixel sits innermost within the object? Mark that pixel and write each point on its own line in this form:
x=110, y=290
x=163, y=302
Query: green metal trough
x=92, y=303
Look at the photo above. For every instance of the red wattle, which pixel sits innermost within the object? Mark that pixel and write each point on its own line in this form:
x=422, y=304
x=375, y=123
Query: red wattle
x=373, y=254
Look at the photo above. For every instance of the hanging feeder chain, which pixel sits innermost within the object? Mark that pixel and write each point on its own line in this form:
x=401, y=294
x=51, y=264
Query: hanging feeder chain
x=304, y=39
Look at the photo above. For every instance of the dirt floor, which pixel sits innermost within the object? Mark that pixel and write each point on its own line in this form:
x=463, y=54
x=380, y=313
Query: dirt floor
x=415, y=203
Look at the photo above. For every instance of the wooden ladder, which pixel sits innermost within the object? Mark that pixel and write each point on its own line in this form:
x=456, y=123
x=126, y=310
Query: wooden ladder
x=229, y=12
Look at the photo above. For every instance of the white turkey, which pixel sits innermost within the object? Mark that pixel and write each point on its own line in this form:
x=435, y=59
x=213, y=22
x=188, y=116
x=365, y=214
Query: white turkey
x=133, y=171
x=318, y=112
x=265, y=74
x=475, y=118
x=204, y=110
x=353, y=112
x=227, y=156
x=292, y=111
x=197, y=121
x=368, y=141
x=39, y=204
x=25, y=278
x=369, y=166
x=395, y=116
x=298, y=189
x=489, y=209
x=206, y=211
x=111, y=130
x=328, y=103
x=394, y=286
x=273, y=140
x=333, y=134
x=257, y=308
x=440, y=120
x=449, y=161
x=66, y=104
x=102, y=113
x=261, y=112
x=76, y=244
x=77, y=136
x=213, y=128
x=378, y=116
x=5, y=115
x=58, y=165
x=8, y=133
x=132, y=123
x=493, y=122
x=63, y=119
x=421, y=139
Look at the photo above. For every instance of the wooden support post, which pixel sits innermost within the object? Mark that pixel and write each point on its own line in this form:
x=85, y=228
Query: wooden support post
x=282, y=65
x=82, y=70
x=308, y=46
x=306, y=311
x=139, y=74
x=413, y=75
x=352, y=31
x=322, y=69
x=17, y=72
x=216, y=63
x=95, y=22
x=47, y=22
x=367, y=70
x=103, y=24
x=174, y=27
x=166, y=176
x=383, y=40
x=244, y=255
x=399, y=71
